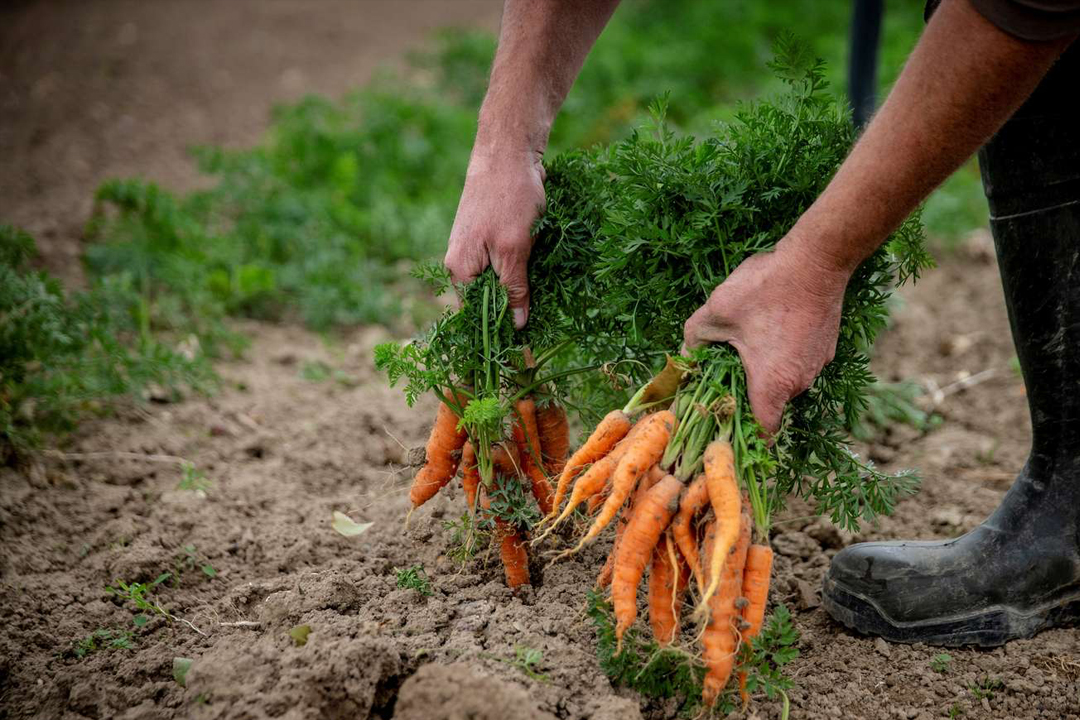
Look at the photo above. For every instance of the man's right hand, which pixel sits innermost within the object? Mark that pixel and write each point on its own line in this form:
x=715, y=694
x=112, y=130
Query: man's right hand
x=503, y=196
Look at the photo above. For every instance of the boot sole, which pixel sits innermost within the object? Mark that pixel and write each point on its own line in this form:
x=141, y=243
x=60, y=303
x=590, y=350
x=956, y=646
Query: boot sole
x=990, y=627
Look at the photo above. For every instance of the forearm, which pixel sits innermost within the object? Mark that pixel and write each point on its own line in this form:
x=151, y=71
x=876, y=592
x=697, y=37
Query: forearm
x=962, y=82
x=542, y=46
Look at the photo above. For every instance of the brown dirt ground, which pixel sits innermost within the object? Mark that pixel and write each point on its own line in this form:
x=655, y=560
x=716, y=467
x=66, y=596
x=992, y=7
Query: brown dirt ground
x=283, y=452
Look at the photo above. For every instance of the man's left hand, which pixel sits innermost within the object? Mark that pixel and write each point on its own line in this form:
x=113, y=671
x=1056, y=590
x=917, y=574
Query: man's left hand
x=781, y=311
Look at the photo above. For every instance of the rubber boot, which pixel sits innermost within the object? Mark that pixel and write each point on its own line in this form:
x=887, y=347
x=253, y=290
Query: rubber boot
x=1019, y=571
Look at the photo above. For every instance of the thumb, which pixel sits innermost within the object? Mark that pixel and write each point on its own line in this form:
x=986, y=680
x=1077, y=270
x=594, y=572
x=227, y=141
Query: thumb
x=512, y=271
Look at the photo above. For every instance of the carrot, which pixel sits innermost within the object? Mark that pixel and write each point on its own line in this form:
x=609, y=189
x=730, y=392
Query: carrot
x=611, y=430
x=667, y=583
x=755, y=589
x=694, y=499
x=726, y=503
x=720, y=641
x=526, y=437
x=554, y=436
x=505, y=460
x=643, y=453
x=604, y=579
x=654, y=476
x=594, y=481
x=635, y=550
x=515, y=557
x=597, y=500
x=470, y=475
x=440, y=465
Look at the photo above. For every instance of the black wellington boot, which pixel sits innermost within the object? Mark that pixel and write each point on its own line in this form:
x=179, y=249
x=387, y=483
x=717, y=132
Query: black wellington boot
x=1018, y=572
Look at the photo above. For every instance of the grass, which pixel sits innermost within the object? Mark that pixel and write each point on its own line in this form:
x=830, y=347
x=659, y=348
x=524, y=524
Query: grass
x=64, y=355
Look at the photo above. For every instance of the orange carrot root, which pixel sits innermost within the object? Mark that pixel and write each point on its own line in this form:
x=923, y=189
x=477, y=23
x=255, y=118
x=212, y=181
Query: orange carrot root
x=726, y=503
x=611, y=430
x=441, y=464
x=720, y=641
x=526, y=437
x=667, y=583
x=695, y=498
x=470, y=475
x=650, y=479
x=554, y=435
x=514, y=555
x=645, y=451
x=648, y=523
x=512, y=549
x=756, y=578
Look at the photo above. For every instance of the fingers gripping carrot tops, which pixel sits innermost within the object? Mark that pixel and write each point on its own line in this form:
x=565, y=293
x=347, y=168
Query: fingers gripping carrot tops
x=756, y=576
x=554, y=435
x=720, y=641
x=611, y=430
x=441, y=463
x=726, y=504
x=647, y=524
x=526, y=436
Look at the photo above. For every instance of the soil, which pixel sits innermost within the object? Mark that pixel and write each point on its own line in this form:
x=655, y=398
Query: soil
x=282, y=451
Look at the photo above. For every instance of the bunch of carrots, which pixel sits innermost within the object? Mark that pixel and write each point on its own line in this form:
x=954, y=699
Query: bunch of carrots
x=536, y=449
x=684, y=511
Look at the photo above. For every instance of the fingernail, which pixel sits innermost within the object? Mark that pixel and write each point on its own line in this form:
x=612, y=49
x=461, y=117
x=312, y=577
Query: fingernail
x=519, y=318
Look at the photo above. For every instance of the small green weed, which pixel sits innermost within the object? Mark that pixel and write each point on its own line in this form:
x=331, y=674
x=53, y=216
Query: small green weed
x=189, y=559
x=193, y=480
x=773, y=648
x=985, y=687
x=103, y=639
x=414, y=578
x=940, y=662
x=466, y=539
x=141, y=596
x=956, y=711
x=527, y=660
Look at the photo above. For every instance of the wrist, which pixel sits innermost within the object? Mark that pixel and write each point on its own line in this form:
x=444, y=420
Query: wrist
x=821, y=250
x=823, y=270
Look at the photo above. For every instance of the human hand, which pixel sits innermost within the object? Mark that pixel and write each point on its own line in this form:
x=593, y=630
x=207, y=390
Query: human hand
x=781, y=311
x=503, y=195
